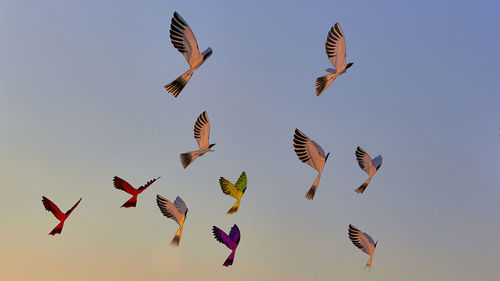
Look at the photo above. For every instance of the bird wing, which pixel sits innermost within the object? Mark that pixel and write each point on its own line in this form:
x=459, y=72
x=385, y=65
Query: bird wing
x=72, y=208
x=241, y=183
x=234, y=234
x=308, y=151
x=361, y=240
x=222, y=237
x=377, y=162
x=123, y=185
x=335, y=47
x=51, y=207
x=168, y=209
x=228, y=188
x=364, y=160
x=183, y=39
x=180, y=205
x=202, y=130
x=147, y=184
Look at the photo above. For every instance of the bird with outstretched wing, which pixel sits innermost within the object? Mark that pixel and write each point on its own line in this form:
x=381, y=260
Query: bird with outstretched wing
x=231, y=241
x=51, y=207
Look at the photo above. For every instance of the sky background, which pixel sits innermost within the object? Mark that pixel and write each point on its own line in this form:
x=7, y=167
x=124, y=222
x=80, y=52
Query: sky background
x=82, y=101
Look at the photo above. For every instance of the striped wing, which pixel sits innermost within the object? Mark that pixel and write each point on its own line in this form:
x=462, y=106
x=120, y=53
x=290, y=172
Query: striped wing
x=364, y=161
x=51, y=207
x=147, y=184
x=202, y=130
x=123, y=185
x=308, y=151
x=241, y=183
x=222, y=237
x=361, y=240
x=183, y=39
x=72, y=208
x=335, y=47
x=228, y=188
x=168, y=209
x=180, y=205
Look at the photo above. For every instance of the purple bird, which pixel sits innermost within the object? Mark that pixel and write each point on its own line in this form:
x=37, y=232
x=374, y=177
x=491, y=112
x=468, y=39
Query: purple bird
x=230, y=241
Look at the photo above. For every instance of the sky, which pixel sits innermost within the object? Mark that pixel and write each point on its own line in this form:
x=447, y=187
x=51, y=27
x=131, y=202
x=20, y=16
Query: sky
x=82, y=101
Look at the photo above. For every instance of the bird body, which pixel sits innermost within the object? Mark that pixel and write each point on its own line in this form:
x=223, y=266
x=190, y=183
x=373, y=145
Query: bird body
x=336, y=53
x=236, y=191
x=311, y=153
x=51, y=207
x=183, y=39
x=368, y=165
x=201, y=135
x=125, y=186
x=176, y=211
x=231, y=241
x=363, y=241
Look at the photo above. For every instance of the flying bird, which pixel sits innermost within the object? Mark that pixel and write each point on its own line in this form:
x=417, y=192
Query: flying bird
x=176, y=211
x=312, y=154
x=335, y=51
x=368, y=165
x=231, y=241
x=183, y=40
x=50, y=206
x=201, y=134
x=363, y=241
x=237, y=190
x=125, y=186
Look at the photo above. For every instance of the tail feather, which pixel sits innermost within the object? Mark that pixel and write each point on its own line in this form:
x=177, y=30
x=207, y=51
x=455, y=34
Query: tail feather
x=132, y=202
x=363, y=186
x=177, y=238
x=234, y=208
x=312, y=190
x=57, y=229
x=229, y=260
x=188, y=157
x=178, y=84
x=369, y=263
x=323, y=82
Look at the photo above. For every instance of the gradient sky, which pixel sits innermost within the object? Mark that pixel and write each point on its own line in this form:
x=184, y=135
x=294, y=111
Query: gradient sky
x=82, y=101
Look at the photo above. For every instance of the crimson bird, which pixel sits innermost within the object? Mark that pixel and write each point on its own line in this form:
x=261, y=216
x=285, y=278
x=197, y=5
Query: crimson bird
x=49, y=206
x=125, y=186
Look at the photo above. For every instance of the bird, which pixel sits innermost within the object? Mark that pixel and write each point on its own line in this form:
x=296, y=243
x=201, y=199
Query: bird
x=335, y=51
x=237, y=190
x=201, y=134
x=312, y=154
x=231, y=241
x=363, y=241
x=176, y=211
x=125, y=186
x=183, y=39
x=50, y=206
x=368, y=165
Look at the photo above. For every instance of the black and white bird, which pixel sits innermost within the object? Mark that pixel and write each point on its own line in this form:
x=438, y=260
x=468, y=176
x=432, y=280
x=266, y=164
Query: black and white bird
x=368, y=165
x=335, y=51
x=176, y=211
x=363, y=241
x=312, y=154
x=183, y=40
x=201, y=134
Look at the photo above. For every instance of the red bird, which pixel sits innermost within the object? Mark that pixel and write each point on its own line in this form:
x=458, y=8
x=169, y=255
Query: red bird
x=49, y=206
x=125, y=186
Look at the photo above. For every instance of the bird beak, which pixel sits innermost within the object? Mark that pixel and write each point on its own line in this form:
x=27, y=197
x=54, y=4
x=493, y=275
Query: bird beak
x=375, y=246
x=326, y=158
x=348, y=65
x=210, y=146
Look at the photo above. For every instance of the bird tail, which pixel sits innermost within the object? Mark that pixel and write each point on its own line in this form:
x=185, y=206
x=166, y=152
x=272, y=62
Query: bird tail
x=177, y=238
x=188, y=157
x=57, y=229
x=363, y=186
x=178, y=84
x=312, y=190
x=229, y=260
x=234, y=208
x=369, y=263
x=132, y=202
x=323, y=82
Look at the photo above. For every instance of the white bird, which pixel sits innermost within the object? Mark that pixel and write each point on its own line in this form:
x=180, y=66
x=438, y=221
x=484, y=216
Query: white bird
x=363, y=241
x=368, y=165
x=176, y=211
x=335, y=51
x=201, y=134
x=183, y=40
x=312, y=154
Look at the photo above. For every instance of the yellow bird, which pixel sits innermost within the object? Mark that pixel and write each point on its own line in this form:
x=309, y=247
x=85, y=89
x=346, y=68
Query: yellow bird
x=237, y=190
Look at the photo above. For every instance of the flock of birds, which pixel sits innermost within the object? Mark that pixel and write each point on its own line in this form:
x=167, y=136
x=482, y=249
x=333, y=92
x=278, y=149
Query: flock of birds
x=307, y=150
